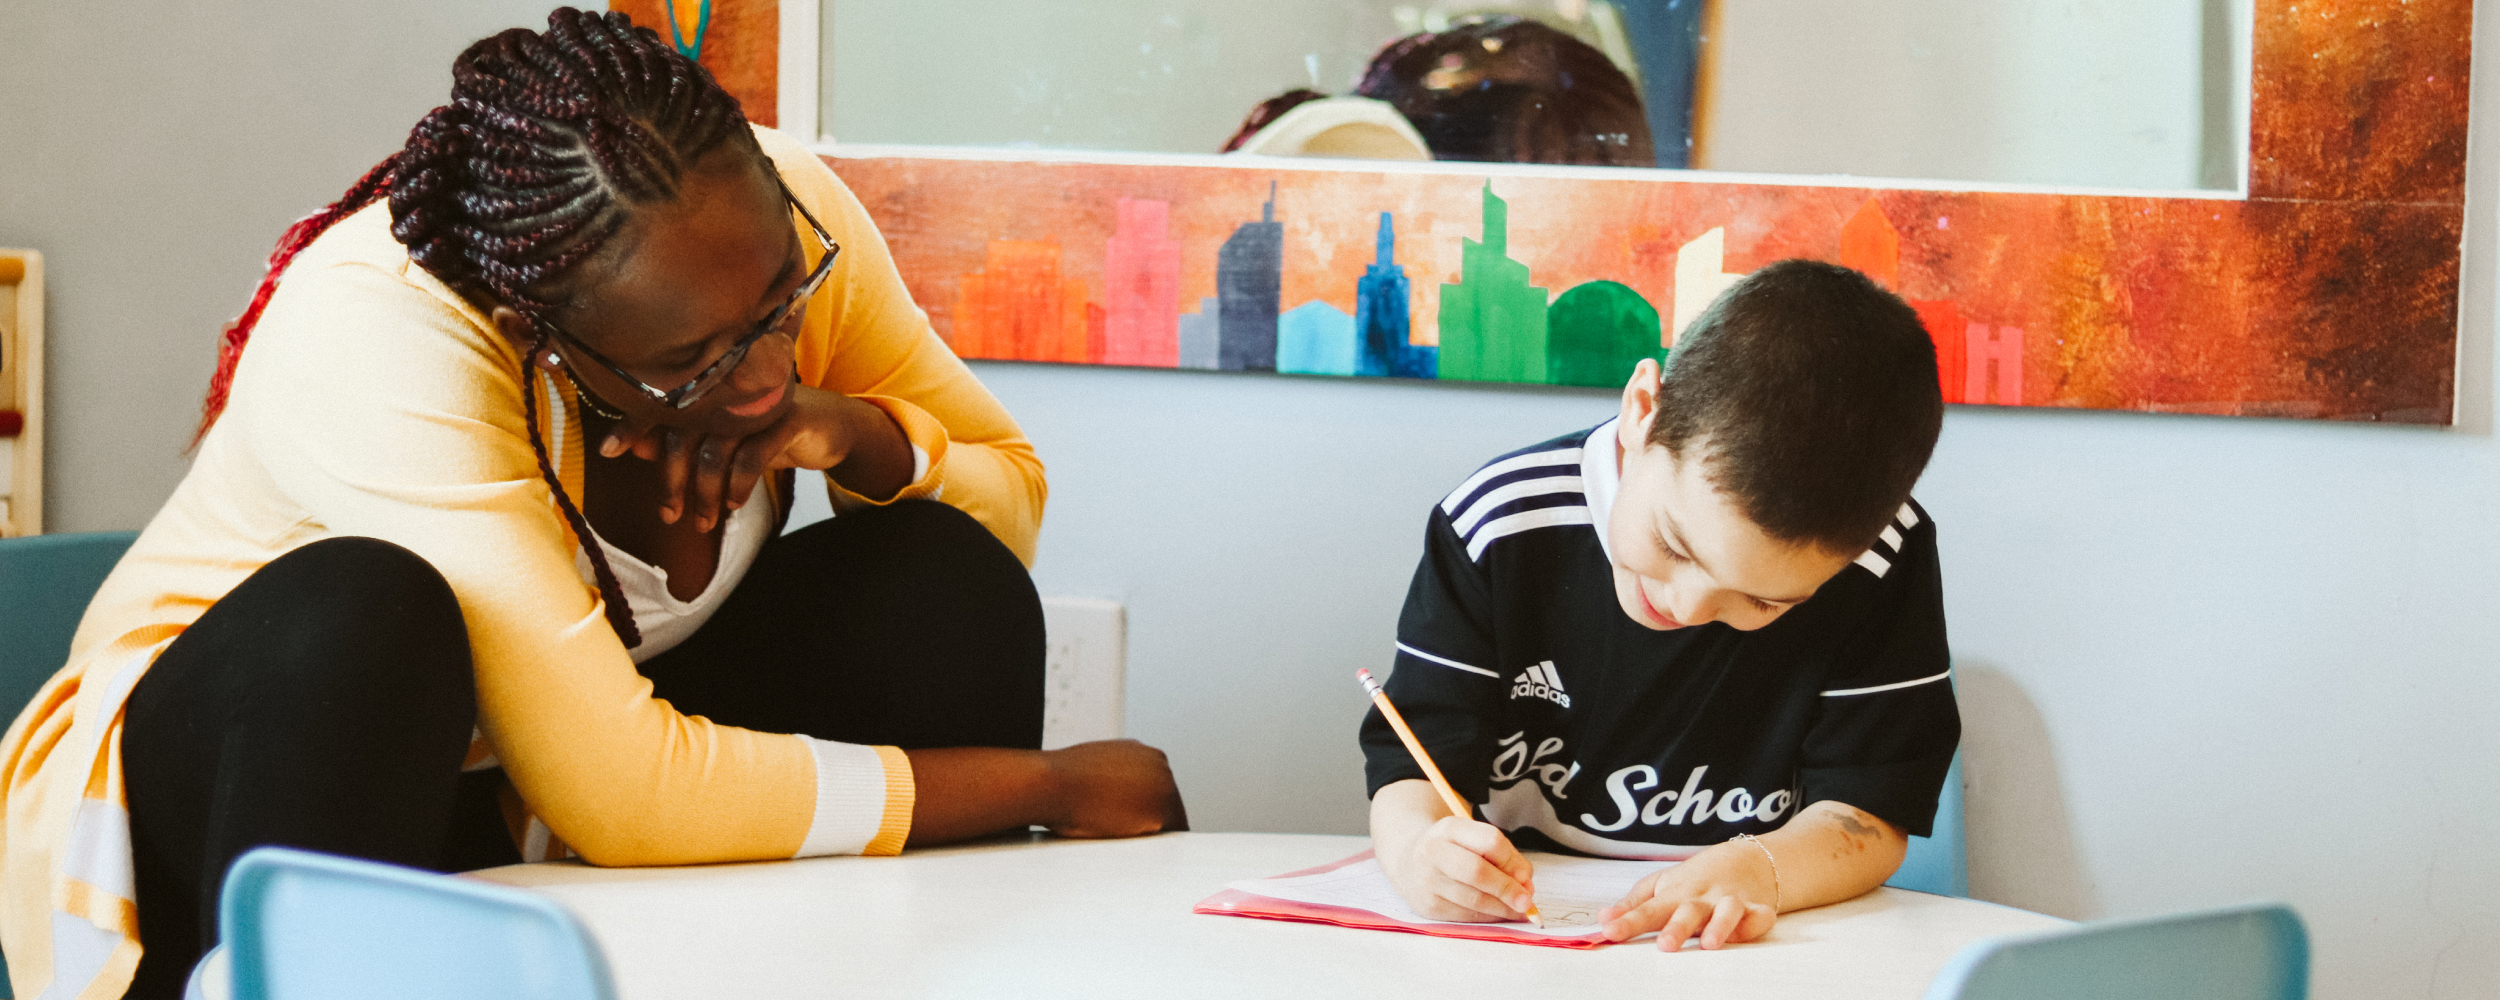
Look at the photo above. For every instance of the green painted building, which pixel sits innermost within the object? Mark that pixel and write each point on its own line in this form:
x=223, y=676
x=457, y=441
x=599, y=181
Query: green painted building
x=1597, y=332
x=1493, y=320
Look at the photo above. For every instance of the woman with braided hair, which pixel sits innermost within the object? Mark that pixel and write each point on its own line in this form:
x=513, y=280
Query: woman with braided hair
x=480, y=557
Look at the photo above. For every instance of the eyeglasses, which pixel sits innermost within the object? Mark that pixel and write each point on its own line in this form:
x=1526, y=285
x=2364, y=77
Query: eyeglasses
x=719, y=370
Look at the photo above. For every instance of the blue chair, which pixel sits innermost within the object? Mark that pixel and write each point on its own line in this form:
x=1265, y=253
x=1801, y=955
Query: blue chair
x=2257, y=952
x=45, y=583
x=1939, y=863
x=296, y=924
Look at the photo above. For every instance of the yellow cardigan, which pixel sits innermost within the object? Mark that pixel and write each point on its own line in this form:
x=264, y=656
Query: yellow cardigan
x=375, y=401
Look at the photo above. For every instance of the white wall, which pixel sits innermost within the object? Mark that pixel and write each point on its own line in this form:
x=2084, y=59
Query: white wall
x=2108, y=93
x=154, y=152
x=2204, y=660
x=1153, y=75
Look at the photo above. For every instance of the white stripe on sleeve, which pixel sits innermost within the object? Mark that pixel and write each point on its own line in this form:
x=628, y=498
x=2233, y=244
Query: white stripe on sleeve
x=1875, y=564
x=1543, y=517
x=1508, y=492
x=1531, y=460
x=98, y=852
x=850, y=798
x=1447, y=662
x=1845, y=692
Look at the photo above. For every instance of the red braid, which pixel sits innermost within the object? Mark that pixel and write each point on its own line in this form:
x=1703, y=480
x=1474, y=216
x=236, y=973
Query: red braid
x=367, y=190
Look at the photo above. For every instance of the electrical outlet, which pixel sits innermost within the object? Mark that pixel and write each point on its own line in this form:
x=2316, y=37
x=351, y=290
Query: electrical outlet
x=1086, y=670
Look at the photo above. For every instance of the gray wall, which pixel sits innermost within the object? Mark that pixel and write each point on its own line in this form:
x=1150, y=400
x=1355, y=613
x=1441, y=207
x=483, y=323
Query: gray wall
x=153, y=152
x=2203, y=660
x=2111, y=93
x=1155, y=75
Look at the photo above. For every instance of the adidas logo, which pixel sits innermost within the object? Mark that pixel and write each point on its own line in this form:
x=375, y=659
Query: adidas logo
x=1541, y=681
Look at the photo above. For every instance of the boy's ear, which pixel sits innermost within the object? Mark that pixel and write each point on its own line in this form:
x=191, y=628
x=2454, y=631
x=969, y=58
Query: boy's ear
x=1640, y=404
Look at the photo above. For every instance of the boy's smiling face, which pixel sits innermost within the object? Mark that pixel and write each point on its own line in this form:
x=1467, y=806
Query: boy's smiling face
x=1684, y=554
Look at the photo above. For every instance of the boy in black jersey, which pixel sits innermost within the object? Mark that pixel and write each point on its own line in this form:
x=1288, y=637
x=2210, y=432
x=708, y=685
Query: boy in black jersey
x=1717, y=615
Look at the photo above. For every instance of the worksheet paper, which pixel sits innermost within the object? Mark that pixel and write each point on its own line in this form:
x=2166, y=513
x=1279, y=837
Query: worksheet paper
x=1569, y=893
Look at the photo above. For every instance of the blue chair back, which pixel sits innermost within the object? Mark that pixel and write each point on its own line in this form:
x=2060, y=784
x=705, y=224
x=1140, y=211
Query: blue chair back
x=1939, y=863
x=45, y=583
x=298, y=925
x=2258, y=952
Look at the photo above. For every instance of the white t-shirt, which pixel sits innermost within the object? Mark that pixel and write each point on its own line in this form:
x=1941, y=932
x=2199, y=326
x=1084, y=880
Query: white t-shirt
x=664, y=620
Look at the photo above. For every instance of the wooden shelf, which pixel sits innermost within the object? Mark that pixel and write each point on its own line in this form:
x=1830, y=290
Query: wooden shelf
x=21, y=391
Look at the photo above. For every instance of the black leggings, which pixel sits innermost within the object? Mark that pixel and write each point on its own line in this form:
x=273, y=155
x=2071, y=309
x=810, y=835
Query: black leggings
x=326, y=703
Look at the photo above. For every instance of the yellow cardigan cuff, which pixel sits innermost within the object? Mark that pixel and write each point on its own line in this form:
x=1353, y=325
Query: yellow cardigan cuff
x=900, y=792
x=925, y=433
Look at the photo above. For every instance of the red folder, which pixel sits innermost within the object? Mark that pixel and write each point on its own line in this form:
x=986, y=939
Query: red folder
x=1236, y=903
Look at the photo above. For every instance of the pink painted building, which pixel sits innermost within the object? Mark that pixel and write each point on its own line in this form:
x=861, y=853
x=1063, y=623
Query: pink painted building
x=1141, y=273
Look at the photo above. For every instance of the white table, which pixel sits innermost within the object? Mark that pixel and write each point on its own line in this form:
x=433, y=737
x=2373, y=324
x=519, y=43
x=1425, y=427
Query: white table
x=1111, y=919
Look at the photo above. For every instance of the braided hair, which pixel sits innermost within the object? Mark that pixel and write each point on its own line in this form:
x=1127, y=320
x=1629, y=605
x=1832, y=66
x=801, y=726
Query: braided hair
x=549, y=144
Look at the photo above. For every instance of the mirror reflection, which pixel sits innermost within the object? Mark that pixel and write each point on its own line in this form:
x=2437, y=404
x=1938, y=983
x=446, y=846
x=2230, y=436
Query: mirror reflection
x=2103, y=93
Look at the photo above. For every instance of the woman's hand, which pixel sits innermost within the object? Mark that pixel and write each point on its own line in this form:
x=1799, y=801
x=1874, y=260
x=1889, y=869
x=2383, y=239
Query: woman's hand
x=1113, y=788
x=705, y=473
x=1723, y=895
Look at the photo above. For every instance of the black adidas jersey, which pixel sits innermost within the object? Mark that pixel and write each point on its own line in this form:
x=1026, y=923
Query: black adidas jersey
x=1573, y=726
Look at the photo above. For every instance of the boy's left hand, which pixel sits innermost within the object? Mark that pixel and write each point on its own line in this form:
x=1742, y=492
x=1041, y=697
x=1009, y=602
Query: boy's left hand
x=1716, y=895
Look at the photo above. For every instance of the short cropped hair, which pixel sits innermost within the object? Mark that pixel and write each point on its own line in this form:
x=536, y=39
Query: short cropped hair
x=1814, y=392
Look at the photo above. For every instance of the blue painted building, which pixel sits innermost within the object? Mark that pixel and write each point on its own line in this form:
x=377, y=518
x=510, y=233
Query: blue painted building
x=1315, y=338
x=1383, y=325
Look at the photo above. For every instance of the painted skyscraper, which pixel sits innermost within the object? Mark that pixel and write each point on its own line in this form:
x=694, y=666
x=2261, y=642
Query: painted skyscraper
x=1249, y=279
x=1699, y=278
x=1381, y=322
x=1020, y=307
x=1198, y=334
x=1493, y=320
x=1141, y=274
x=1315, y=338
x=1599, y=331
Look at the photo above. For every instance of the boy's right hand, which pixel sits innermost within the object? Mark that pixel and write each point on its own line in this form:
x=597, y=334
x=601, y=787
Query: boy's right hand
x=1461, y=870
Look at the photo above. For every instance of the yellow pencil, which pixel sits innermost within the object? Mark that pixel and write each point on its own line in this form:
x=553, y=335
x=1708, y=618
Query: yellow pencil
x=1449, y=796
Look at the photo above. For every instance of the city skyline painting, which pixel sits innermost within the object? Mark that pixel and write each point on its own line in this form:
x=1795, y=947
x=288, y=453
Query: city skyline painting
x=2325, y=288
x=1493, y=324
x=2089, y=301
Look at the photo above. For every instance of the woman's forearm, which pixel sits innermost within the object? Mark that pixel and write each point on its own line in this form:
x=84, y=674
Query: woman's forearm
x=1107, y=788
x=878, y=464
x=965, y=792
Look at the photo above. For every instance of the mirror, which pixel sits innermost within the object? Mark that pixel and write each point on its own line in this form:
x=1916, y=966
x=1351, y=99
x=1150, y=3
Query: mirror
x=2110, y=94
